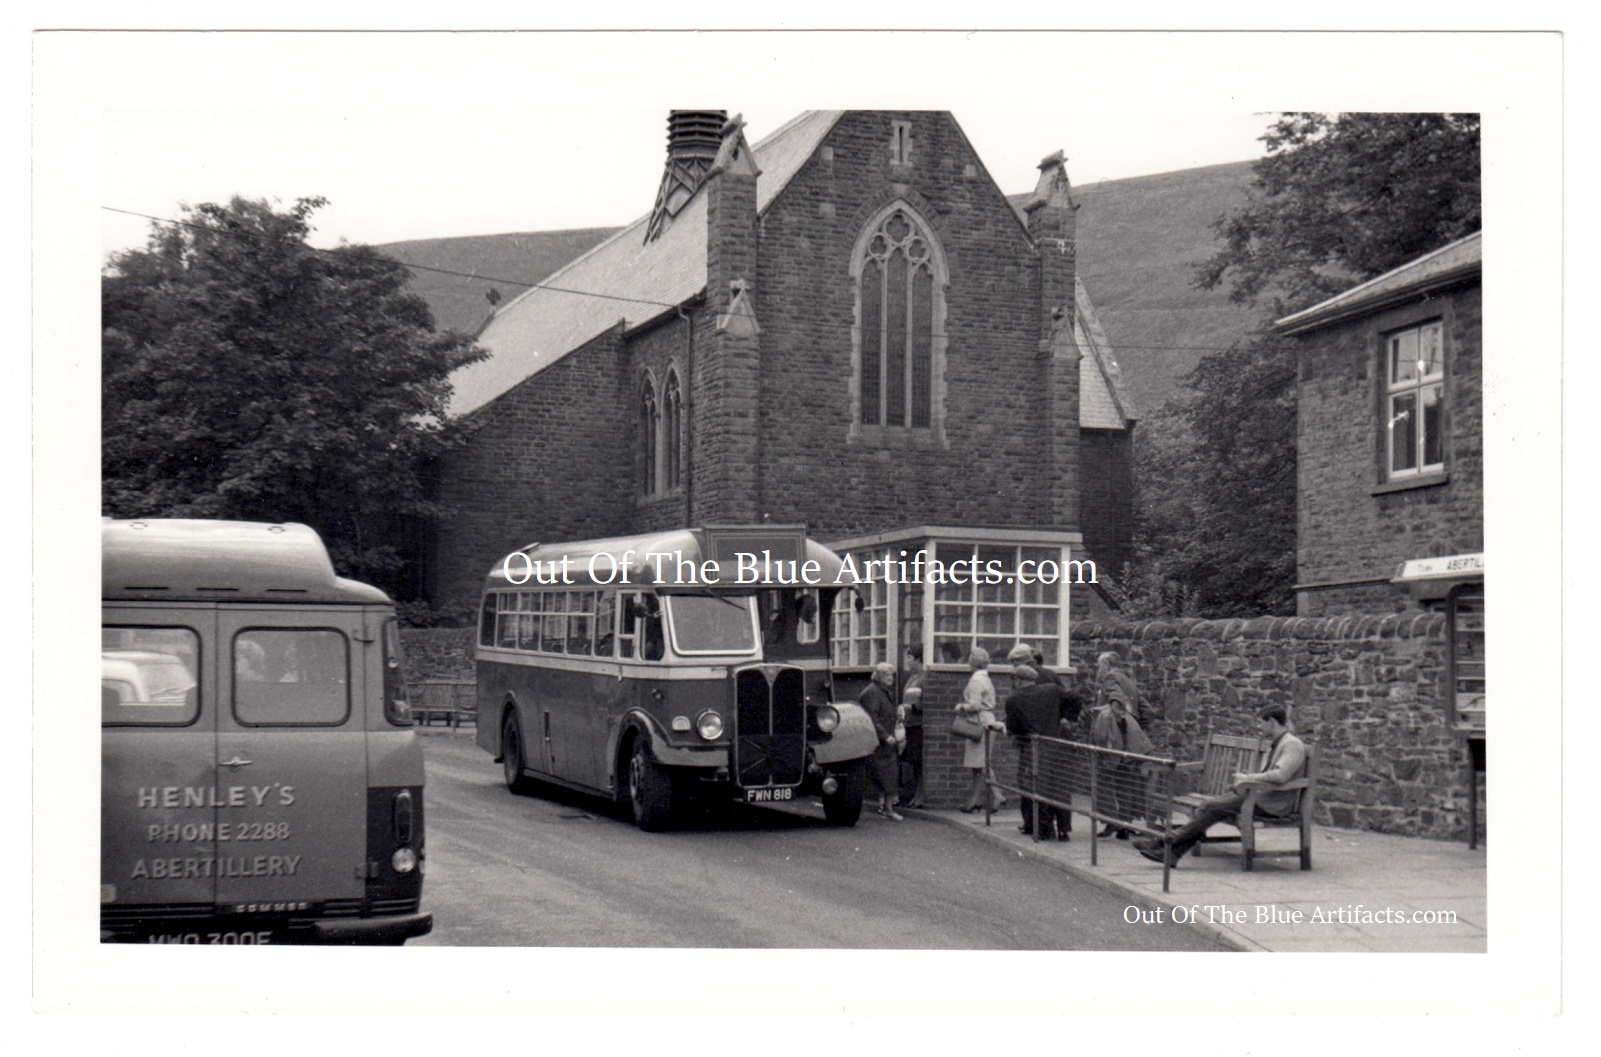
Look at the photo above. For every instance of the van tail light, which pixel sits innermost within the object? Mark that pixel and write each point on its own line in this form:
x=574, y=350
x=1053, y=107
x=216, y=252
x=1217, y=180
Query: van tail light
x=403, y=817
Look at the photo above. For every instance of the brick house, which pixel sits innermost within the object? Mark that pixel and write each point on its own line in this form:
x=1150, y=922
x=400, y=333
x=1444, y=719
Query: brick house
x=846, y=326
x=1390, y=443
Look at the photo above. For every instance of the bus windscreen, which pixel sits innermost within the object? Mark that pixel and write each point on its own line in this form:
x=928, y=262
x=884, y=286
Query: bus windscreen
x=711, y=623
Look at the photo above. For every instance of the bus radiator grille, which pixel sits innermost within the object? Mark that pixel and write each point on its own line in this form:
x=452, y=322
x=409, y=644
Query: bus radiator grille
x=770, y=726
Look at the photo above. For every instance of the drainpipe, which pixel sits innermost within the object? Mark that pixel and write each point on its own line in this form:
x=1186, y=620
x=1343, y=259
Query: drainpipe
x=689, y=417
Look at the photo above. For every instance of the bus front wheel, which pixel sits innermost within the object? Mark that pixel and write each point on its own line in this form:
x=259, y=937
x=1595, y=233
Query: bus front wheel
x=650, y=788
x=511, y=755
x=843, y=806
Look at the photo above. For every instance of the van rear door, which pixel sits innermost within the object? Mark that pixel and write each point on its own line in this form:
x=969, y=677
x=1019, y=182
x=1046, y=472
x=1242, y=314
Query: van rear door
x=291, y=760
x=158, y=715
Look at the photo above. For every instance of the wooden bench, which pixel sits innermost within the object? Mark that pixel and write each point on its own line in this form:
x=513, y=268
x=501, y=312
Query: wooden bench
x=1227, y=755
x=1301, y=817
x=450, y=701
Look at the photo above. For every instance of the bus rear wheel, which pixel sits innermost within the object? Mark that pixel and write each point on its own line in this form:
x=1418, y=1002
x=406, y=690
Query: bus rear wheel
x=650, y=788
x=843, y=806
x=512, y=759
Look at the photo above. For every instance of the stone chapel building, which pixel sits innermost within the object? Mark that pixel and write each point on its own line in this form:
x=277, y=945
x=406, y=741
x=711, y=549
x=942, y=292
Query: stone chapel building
x=845, y=325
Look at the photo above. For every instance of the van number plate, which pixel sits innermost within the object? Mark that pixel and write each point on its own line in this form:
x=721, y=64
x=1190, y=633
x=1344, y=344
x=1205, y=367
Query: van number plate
x=227, y=938
x=767, y=796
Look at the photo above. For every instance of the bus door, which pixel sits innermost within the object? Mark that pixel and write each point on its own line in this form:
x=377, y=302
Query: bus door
x=158, y=714
x=292, y=756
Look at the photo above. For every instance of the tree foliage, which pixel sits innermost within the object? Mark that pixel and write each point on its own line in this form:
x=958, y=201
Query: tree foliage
x=248, y=375
x=1216, y=477
x=1342, y=198
x=1338, y=199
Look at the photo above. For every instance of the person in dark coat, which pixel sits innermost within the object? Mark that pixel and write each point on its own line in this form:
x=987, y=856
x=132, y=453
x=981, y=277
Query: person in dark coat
x=885, y=764
x=912, y=717
x=1036, y=708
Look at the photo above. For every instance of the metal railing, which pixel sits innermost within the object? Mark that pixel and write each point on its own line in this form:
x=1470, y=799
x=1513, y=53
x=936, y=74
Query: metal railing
x=1121, y=789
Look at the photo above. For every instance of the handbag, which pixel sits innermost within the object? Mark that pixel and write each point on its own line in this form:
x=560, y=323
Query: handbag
x=964, y=727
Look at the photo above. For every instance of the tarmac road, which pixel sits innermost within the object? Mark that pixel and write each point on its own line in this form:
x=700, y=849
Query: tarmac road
x=561, y=869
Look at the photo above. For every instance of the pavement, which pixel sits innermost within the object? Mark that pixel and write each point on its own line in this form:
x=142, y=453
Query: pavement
x=1365, y=892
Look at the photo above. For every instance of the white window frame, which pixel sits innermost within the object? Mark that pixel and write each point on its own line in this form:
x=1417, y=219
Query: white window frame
x=851, y=627
x=1428, y=377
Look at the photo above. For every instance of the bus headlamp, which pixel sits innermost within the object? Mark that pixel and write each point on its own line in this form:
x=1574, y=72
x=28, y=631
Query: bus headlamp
x=710, y=725
x=827, y=718
x=404, y=860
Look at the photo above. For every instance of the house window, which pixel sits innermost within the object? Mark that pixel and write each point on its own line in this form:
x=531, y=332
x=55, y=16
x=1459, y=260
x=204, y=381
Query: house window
x=1415, y=401
x=649, y=425
x=900, y=282
x=672, y=432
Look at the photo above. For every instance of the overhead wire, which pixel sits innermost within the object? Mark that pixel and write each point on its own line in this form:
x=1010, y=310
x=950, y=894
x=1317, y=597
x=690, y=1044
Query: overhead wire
x=355, y=252
x=1115, y=346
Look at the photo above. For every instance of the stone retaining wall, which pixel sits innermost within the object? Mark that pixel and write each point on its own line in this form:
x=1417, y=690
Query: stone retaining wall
x=439, y=653
x=1368, y=691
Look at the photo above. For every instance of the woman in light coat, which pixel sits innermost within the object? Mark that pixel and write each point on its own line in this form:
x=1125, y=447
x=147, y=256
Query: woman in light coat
x=978, y=704
x=1122, y=782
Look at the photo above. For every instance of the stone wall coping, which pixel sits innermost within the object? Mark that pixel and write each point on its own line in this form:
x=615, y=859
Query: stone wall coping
x=1353, y=627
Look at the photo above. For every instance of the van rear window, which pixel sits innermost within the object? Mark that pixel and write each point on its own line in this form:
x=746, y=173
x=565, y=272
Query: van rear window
x=149, y=676
x=291, y=677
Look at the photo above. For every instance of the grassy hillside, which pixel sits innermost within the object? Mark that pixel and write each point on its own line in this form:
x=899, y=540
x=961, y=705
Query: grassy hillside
x=504, y=263
x=1139, y=240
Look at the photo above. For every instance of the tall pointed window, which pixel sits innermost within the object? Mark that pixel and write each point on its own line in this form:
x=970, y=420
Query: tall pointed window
x=649, y=424
x=900, y=280
x=672, y=432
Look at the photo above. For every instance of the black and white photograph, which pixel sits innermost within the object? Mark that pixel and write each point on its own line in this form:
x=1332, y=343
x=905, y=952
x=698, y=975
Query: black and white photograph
x=965, y=508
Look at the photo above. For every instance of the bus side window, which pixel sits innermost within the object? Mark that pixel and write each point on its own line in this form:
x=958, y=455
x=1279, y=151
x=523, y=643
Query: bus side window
x=627, y=624
x=605, y=623
x=642, y=622
x=580, y=624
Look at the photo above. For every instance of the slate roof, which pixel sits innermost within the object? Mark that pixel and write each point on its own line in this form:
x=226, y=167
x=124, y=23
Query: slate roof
x=639, y=280
x=1102, y=401
x=1448, y=264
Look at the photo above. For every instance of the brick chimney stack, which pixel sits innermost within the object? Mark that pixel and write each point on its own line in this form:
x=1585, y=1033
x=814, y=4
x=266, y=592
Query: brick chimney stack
x=1052, y=224
x=728, y=372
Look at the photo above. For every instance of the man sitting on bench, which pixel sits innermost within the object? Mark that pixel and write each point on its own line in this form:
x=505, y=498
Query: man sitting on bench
x=1286, y=762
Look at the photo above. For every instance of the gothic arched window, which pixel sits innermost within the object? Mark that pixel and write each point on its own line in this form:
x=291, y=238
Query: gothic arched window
x=672, y=432
x=649, y=424
x=899, y=347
